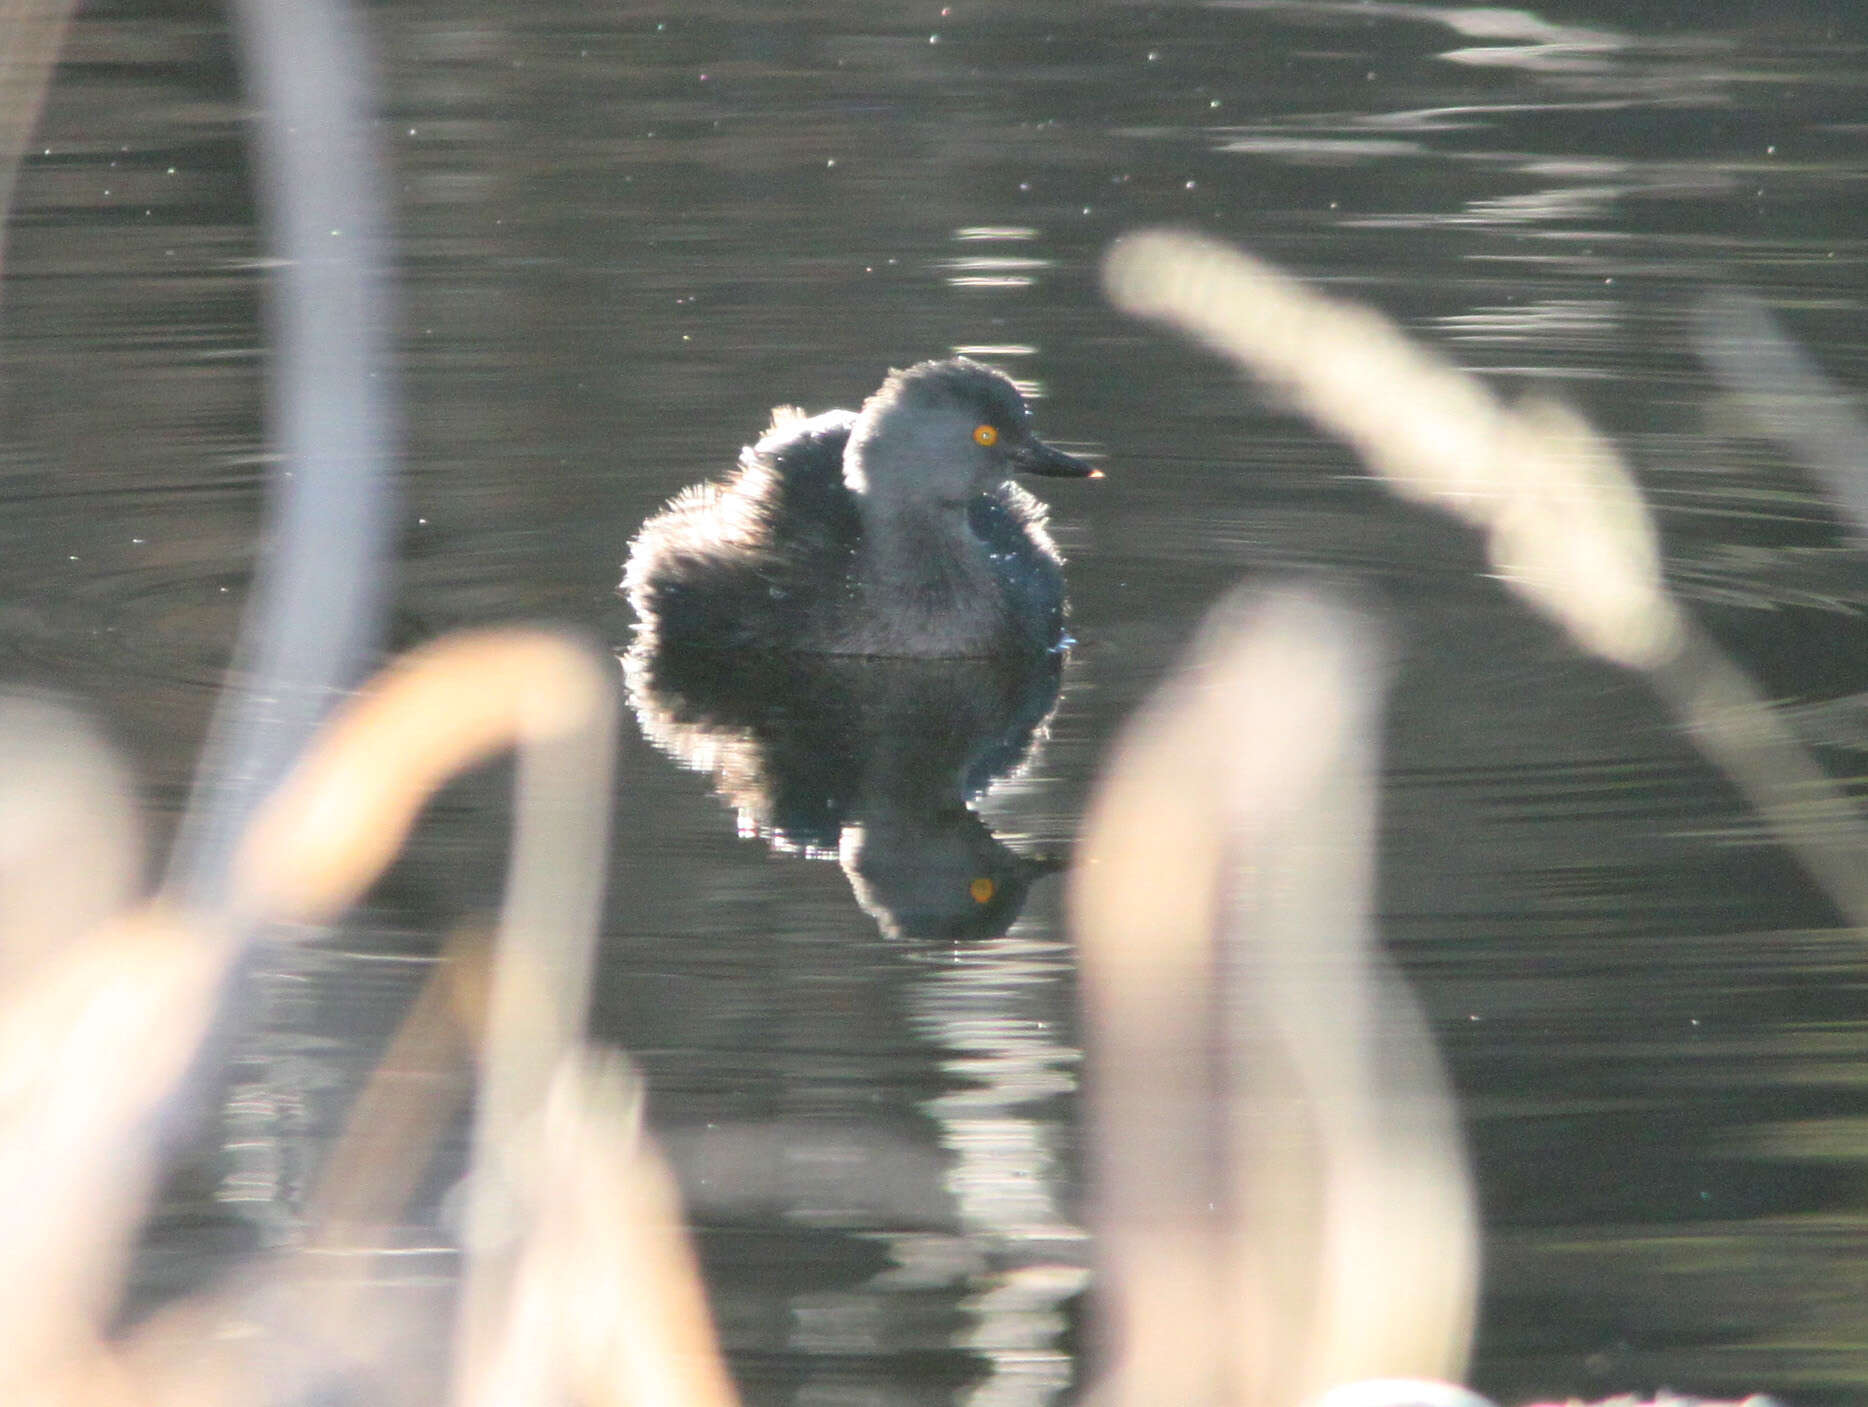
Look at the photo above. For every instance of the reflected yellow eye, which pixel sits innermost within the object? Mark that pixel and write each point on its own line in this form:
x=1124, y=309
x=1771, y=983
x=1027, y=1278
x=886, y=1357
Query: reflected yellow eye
x=982, y=889
x=985, y=435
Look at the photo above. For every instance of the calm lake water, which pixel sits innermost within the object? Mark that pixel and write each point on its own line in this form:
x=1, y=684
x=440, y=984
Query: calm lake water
x=627, y=232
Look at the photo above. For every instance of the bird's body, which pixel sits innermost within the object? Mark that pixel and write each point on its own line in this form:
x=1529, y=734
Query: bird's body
x=893, y=531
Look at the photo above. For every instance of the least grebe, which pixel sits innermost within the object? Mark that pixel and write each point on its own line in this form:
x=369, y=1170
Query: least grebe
x=893, y=530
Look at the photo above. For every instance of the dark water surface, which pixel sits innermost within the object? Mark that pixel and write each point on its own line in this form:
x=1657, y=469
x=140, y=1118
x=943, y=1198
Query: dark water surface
x=628, y=232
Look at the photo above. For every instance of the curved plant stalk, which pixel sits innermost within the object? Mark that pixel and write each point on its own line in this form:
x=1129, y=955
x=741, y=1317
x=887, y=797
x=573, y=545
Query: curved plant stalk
x=313, y=618
x=1784, y=392
x=579, y=1279
x=1564, y=523
x=1281, y=1203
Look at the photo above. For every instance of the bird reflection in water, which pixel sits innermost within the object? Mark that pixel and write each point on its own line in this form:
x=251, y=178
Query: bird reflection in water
x=859, y=630
x=875, y=762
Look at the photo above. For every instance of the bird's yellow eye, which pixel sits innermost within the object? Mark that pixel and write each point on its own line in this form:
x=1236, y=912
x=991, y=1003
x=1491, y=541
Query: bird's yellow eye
x=985, y=435
x=982, y=889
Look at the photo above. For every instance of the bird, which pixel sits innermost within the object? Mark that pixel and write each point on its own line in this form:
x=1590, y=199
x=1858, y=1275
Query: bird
x=891, y=531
